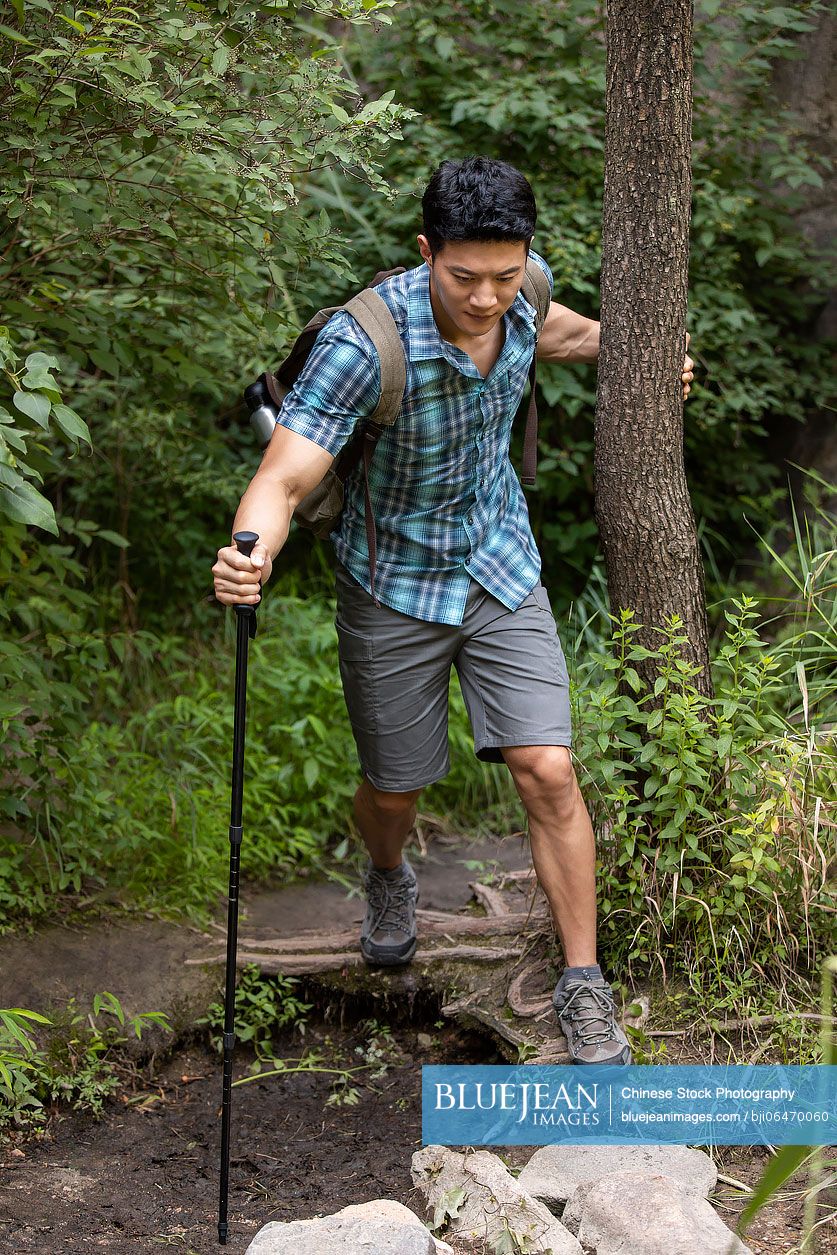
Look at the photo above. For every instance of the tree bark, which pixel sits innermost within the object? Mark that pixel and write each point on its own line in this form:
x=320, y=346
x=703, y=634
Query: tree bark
x=643, y=508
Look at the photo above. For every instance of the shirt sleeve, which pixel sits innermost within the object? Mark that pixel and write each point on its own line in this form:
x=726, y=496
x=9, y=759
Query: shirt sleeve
x=338, y=387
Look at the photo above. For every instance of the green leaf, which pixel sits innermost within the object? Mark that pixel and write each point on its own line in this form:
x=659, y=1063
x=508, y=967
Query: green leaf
x=41, y=361
x=24, y=504
x=311, y=772
x=782, y=1166
x=77, y=26
x=633, y=679
x=113, y=538
x=104, y=360
x=15, y=35
x=220, y=59
x=71, y=424
x=35, y=406
x=27, y=1014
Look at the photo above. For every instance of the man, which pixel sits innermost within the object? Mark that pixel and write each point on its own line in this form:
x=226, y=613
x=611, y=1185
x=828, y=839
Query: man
x=457, y=579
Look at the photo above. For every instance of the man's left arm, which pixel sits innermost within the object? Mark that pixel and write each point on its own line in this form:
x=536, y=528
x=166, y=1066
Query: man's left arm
x=570, y=337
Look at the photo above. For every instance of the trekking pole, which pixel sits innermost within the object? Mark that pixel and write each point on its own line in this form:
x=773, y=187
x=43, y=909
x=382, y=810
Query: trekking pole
x=245, y=630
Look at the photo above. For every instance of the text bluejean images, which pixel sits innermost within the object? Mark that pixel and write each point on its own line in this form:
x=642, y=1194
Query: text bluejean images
x=530, y=1105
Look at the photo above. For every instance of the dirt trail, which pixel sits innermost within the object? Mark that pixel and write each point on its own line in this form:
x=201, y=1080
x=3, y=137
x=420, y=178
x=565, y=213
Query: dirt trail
x=146, y=1176
x=143, y=961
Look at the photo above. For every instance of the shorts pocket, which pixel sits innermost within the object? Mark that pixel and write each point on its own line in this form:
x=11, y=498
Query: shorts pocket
x=559, y=662
x=541, y=596
x=353, y=647
x=357, y=673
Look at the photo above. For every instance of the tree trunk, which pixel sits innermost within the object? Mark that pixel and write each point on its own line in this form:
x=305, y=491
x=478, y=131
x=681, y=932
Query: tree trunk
x=643, y=509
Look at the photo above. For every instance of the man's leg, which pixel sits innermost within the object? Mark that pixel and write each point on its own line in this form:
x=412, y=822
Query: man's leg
x=384, y=821
x=562, y=842
x=388, y=933
x=515, y=683
x=395, y=672
x=564, y=857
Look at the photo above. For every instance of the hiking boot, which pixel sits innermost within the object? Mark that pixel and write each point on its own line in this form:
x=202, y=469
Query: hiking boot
x=586, y=1013
x=388, y=933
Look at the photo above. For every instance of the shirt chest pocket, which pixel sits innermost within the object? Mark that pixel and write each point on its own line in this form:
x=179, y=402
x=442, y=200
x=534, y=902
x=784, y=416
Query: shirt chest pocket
x=437, y=411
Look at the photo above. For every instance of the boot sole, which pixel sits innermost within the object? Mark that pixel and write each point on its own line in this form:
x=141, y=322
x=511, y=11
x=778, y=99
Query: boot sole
x=388, y=960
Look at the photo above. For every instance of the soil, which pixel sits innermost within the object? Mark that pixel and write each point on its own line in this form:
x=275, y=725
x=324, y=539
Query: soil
x=146, y=1175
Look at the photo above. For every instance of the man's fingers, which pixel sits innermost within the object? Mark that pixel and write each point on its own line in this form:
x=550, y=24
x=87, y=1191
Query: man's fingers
x=259, y=555
x=235, y=585
x=229, y=556
x=231, y=576
x=237, y=599
x=238, y=592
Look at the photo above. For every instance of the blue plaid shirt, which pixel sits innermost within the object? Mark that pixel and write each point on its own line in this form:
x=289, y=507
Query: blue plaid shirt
x=448, y=505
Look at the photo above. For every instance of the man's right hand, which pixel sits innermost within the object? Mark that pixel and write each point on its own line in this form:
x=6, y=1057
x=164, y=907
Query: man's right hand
x=238, y=580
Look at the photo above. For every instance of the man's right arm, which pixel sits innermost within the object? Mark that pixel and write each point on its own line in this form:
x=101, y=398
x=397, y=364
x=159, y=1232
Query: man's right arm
x=338, y=387
x=292, y=466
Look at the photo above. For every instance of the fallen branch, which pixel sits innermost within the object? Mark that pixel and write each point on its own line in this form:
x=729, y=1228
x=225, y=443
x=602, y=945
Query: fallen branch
x=736, y=1185
x=523, y=1007
x=493, y=901
x=294, y=963
x=730, y=1026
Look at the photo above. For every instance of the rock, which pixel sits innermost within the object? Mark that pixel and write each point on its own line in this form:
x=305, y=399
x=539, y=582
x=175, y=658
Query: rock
x=480, y=1199
x=382, y=1227
x=630, y=1213
x=554, y=1173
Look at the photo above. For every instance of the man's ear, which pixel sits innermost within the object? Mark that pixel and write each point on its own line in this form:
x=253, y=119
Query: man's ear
x=425, y=249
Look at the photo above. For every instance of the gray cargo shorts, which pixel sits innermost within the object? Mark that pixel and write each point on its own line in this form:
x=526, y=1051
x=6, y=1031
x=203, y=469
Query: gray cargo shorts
x=396, y=672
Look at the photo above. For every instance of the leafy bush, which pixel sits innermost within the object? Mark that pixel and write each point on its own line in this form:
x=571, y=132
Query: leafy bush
x=710, y=811
x=140, y=803
x=263, y=1006
x=68, y=1059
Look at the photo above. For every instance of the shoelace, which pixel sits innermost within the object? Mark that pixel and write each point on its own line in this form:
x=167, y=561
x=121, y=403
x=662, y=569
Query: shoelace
x=583, y=1007
x=393, y=911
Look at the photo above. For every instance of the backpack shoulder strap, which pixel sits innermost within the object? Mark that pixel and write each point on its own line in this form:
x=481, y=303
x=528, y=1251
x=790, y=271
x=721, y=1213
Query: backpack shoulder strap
x=535, y=289
x=373, y=314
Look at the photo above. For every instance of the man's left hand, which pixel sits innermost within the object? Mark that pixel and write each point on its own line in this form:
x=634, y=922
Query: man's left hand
x=688, y=370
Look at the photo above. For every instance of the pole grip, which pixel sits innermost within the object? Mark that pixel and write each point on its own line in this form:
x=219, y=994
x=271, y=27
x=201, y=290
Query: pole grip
x=245, y=542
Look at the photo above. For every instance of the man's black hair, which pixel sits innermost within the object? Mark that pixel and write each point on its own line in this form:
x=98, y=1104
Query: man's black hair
x=478, y=198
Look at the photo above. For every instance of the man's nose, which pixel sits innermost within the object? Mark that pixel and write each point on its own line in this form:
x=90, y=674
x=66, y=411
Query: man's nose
x=483, y=298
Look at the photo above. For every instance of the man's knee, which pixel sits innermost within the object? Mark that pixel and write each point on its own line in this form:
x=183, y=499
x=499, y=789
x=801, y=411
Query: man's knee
x=541, y=771
x=387, y=805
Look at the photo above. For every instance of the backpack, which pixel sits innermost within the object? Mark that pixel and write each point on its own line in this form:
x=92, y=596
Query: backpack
x=320, y=511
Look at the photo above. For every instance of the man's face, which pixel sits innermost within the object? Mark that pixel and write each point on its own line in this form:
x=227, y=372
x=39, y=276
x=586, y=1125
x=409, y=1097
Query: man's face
x=473, y=283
